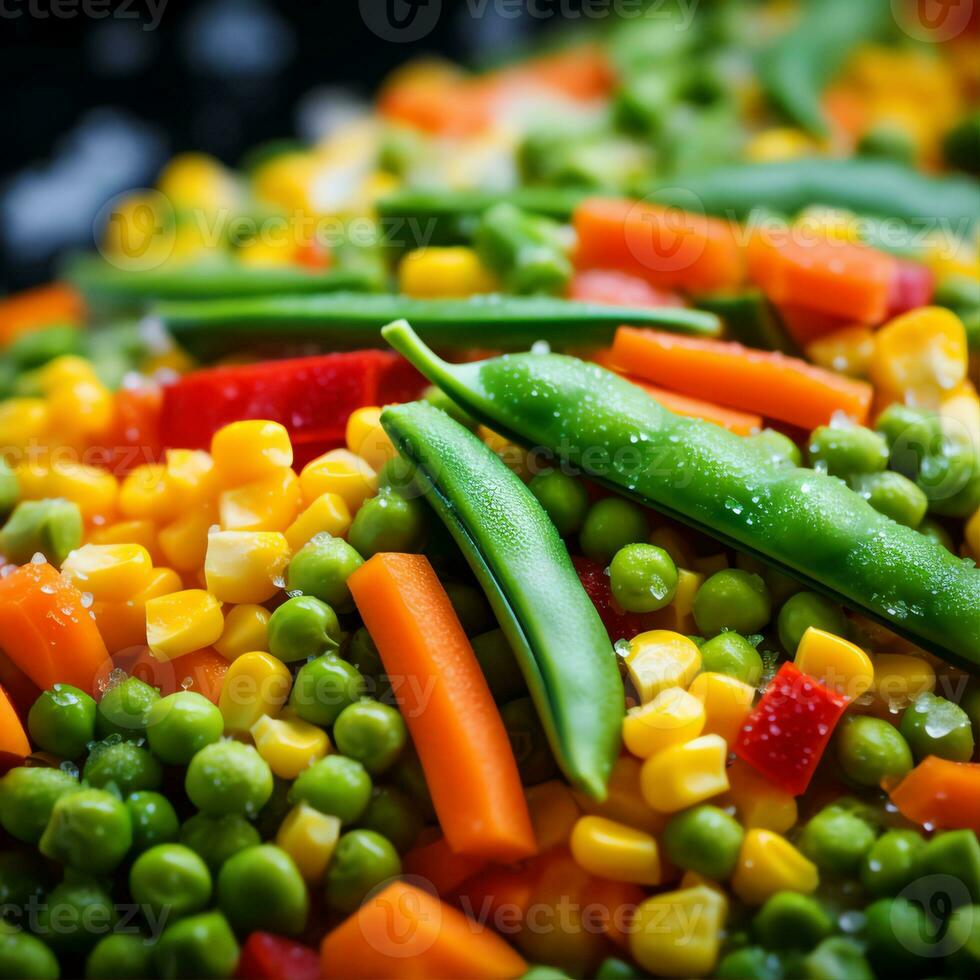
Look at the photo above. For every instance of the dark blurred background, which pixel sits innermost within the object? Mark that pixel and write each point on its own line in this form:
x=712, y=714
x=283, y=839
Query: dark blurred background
x=97, y=94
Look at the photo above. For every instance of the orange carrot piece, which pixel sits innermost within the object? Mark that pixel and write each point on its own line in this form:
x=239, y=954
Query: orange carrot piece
x=462, y=744
x=404, y=932
x=437, y=864
x=437, y=107
x=47, y=630
x=202, y=671
x=666, y=246
x=43, y=306
x=941, y=793
x=767, y=382
x=741, y=423
x=14, y=744
x=582, y=73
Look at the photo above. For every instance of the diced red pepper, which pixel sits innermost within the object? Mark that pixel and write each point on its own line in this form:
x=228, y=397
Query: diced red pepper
x=135, y=438
x=266, y=956
x=912, y=286
x=619, y=625
x=786, y=733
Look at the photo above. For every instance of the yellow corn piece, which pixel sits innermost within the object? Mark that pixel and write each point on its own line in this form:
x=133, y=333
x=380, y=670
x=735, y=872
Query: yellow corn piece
x=674, y=543
x=23, y=422
x=553, y=812
x=959, y=414
x=433, y=272
x=624, y=802
x=835, y=662
x=612, y=850
x=94, y=490
x=780, y=143
x=848, y=351
x=246, y=628
x=265, y=505
x=194, y=181
x=660, y=659
x=81, y=412
x=768, y=863
x=726, y=700
x=900, y=677
x=679, y=615
x=514, y=457
x=123, y=623
x=63, y=372
x=309, y=838
x=760, y=803
x=289, y=745
x=140, y=229
x=341, y=472
x=191, y=477
x=286, y=181
x=328, y=512
x=691, y=879
x=184, y=541
x=671, y=718
x=836, y=224
x=255, y=252
x=678, y=934
x=245, y=566
x=971, y=534
x=141, y=532
x=711, y=563
x=244, y=452
x=109, y=571
x=683, y=775
x=182, y=623
x=256, y=685
x=367, y=439
x=145, y=494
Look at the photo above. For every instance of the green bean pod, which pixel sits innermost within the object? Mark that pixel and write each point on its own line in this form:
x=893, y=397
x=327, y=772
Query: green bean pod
x=523, y=566
x=802, y=522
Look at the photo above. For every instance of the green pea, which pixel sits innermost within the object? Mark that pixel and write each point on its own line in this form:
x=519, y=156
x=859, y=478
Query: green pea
x=170, y=880
x=303, y=627
x=950, y=479
x=806, y=609
x=201, y=946
x=564, y=499
x=704, y=839
x=180, y=725
x=732, y=600
x=388, y=522
x=894, y=927
x=643, y=578
x=123, y=765
x=730, y=653
x=955, y=853
x=911, y=433
x=335, y=785
x=499, y=666
x=321, y=569
x=777, y=448
x=51, y=527
x=934, y=726
x=836, y=840
x=77, y=912
x=228, y=777
x=120, y=956
x=362, y=860
x=124, y=707
x=393, y=815
x=527, y=739
x=892, y=862
x=323, y=688
x=62, y=721
x=27, y=797
x=545, y=973
x=788, y=920
x=837, y=958
x=780, y=586
x=749, y=963
x=893, y=495
x=372, y=733
x=153, y=818
x=869, y=749
x=471, y=607
x=25, y=957
x=23, y=879
x=612, y=968
x=215, y=839
x=847, y=450
x=89, y=830
x=611, y=524
x=266, y=871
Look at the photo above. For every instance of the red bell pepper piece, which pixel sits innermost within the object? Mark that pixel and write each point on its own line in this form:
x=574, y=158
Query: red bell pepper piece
x=266, y=956
x=786, y=733
x=619, y=625
x=912, y=286
x=135, y=438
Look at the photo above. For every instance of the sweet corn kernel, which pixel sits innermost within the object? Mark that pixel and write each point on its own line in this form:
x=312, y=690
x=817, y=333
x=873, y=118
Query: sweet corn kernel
x=244, y=452
x=444, y=272
x=245, y=566
x=141, y=532
x=94, y=490
x=265, y=505
x=758, y=802
x=682, y=775
x=674, y=543
x=367, y=439
x=328, y=512
x=768, y=863
x=184, y=541
x=246, y=628
x=109, y=571
x=780, y=143
x=182, y=623
x=266, y=253
x=671, y=718
x=192, y=181
x=309, y=838
x=660, y=659
x=624, y=802
x=959, y=413
x=123, y=623
x=612, y=850
x=145, y=493
x=835, y=662
x=23, y=421
x=900, y=677
x=81, y=412
x=726, y=700
x=289, y=745
x=64, y=371
x=191, y=476
x=972, y=534
x=341, y=472
x=257, y=684
x=678, y=934
x=846, y=351
x=553, y=812
x=679, y=615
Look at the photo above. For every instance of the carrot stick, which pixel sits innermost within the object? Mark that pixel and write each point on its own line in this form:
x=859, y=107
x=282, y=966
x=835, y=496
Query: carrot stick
x=14, y=743
x=47, y=630
x=43, y=306
x=406, y=932
x=437, y=864
x=942, y=793
x=202, y=671
x=767, y=382
x=460, y=738
x=666, y=246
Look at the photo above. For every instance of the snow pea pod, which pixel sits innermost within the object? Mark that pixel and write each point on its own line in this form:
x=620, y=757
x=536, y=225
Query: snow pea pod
x=517, y=556
x=802, y=522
